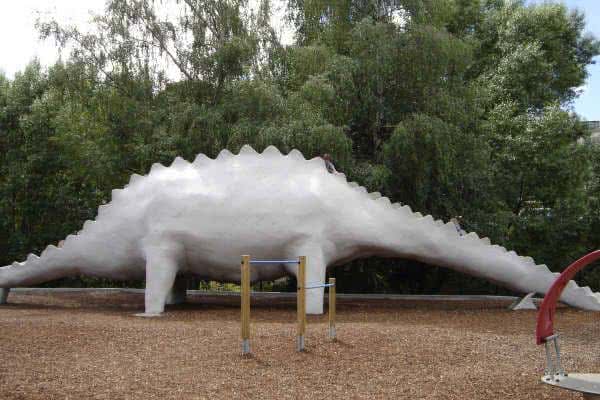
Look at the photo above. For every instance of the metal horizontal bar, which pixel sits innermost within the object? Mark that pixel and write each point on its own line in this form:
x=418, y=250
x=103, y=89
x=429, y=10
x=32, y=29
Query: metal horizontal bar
x=274, y=262
x=320, y=285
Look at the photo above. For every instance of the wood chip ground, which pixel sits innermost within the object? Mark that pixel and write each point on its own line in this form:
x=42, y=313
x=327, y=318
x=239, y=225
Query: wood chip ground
x=91, y=346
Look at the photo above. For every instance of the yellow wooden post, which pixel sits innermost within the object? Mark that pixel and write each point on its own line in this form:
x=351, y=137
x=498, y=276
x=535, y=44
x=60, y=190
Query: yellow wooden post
x=301, y=303
x=332, y=309
x=245, y=304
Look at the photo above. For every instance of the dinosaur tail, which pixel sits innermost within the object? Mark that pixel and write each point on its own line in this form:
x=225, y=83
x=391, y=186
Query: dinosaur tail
x=79, y=253
x=442, y=244
x=53, y=263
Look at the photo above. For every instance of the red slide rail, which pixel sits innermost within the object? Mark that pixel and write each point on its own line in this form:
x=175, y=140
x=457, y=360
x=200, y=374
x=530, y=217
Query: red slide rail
x=545, y=318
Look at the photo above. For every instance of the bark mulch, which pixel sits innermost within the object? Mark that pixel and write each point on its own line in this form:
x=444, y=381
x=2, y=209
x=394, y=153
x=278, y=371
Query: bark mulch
x=90, y=346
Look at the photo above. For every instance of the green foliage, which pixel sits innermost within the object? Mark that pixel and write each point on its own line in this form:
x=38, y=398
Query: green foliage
x=533, y=55
x=455, y=107
x=436, y=167
x=539, y=153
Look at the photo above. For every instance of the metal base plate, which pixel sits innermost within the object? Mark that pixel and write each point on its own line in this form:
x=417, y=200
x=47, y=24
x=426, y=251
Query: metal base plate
x=300, y=343
x=332, y=333
x=583, y=383
x=245, y=346
x=526, y=303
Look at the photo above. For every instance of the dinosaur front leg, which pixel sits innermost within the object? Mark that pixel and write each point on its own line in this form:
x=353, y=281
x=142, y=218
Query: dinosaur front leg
x=315, y=274
x=161, y=269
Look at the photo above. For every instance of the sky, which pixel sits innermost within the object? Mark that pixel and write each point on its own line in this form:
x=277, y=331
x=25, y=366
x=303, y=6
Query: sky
x=20, y=41
x=17, y=19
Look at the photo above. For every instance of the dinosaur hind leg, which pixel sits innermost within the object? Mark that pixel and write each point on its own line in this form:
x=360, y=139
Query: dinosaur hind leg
x=162, y=265
x=4, y=295
x=178, y=293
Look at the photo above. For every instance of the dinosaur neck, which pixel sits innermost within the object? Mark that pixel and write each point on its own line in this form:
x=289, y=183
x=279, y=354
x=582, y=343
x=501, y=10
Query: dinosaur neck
x=395, y=231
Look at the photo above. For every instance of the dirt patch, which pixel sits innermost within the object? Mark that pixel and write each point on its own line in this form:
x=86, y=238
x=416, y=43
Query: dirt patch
x=89, y=345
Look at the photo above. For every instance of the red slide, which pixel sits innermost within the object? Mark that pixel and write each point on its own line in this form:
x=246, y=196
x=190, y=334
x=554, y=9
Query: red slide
x=545, y=318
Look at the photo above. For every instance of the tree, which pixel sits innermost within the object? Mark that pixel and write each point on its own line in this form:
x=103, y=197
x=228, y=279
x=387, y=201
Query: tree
x=532, y=55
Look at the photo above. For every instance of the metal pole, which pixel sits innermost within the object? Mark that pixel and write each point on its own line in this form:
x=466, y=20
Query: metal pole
x=332, y=309
x=245, y=304
x=559, y=368
x=301, y=303
x=550, y=367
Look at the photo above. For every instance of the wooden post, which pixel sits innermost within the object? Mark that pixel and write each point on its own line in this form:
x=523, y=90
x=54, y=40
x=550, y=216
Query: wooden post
x=245, y=304
x=332, y=309
x=301, y=303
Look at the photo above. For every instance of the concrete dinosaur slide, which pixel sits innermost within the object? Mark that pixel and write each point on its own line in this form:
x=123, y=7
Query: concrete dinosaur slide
x=198, y=218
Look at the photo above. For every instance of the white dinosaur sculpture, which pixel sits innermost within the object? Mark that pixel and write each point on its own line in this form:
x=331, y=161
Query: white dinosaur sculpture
x=200, y=217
